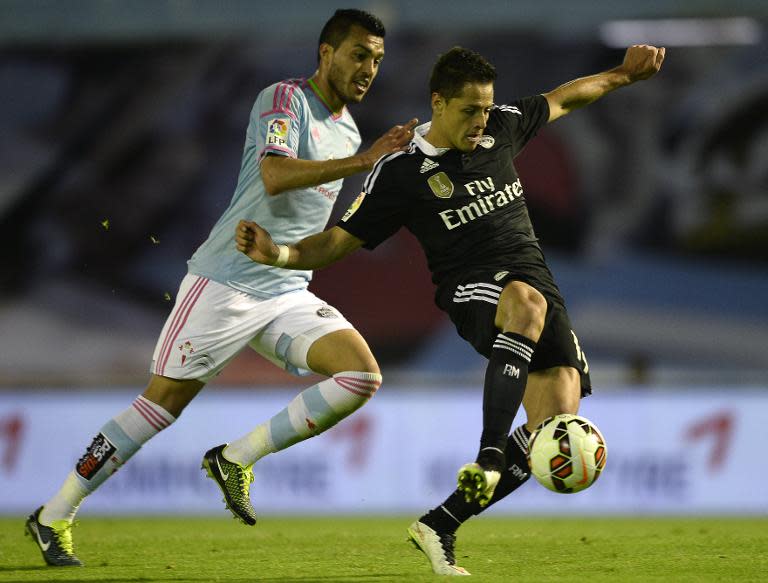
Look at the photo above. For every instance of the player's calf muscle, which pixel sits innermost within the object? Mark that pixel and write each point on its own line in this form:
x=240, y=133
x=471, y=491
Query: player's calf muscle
x=171, y=394
x=551, y=392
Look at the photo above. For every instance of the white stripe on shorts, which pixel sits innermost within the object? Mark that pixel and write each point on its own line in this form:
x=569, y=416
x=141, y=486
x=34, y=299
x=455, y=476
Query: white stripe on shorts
x=484, y=292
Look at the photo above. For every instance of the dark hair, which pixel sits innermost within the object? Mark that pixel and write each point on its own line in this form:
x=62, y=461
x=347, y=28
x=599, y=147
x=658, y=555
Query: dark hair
x=337, y=28
x=458, y=67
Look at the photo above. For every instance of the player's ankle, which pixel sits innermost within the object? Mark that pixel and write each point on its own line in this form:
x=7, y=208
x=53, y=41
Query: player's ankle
x=491, y=459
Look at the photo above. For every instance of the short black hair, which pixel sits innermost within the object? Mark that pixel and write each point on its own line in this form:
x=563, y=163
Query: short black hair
x=458, y=67
x=337, y=28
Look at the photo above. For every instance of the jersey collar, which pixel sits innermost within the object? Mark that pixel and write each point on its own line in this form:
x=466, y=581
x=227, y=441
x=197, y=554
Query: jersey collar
x=418, y=138
x=321, y=98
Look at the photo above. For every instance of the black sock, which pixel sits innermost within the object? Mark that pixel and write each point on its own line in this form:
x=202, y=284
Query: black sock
x=505, y=380
x=516, y=472
x=452, y=513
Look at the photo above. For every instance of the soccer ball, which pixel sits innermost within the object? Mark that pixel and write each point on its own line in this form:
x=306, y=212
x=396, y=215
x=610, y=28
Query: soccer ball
x=566, y=453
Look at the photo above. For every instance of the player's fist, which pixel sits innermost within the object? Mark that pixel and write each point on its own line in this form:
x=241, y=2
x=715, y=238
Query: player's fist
x=642, y=62
x=256, y=243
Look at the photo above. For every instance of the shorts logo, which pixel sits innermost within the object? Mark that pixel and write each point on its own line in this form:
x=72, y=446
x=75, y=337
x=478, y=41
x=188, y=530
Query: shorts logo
x=441, y=185
x=100, y=450
x=277, y=131
x=353, y=207
x=500, y=275
x=487, y=142
x=327, y=312
x=186, y=350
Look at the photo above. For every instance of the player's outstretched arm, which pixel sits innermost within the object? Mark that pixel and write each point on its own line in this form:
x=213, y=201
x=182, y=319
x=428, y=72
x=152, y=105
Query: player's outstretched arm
x=640, y=62
x=281, y=173
x=312, y=252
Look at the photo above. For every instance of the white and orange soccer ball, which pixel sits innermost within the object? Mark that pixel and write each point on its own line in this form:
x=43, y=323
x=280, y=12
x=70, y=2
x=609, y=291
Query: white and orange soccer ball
x=566, y=453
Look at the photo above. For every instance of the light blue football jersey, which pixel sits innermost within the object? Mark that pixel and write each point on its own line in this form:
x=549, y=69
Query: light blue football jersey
x=288, y=119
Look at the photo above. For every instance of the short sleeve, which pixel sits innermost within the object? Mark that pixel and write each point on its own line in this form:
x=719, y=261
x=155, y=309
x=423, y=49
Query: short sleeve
x=379, y=211
x=277, y=120
x=522, y=119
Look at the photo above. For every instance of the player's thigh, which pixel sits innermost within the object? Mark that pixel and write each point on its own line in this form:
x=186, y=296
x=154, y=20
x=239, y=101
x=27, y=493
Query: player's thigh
x=307, y=323
x=209, y=325
x=550, y=392
x=559, y=347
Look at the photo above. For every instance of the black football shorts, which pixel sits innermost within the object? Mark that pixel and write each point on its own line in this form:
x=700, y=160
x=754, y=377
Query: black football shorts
x=471, y=303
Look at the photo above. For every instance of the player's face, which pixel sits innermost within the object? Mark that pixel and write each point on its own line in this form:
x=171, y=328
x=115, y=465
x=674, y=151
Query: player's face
x=459, y=122
x=355, y=64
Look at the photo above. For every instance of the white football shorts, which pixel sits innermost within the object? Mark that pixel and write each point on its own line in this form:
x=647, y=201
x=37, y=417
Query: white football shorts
x=211, y=323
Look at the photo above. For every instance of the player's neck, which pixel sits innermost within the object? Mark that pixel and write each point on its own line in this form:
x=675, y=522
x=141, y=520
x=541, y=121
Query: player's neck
x=324, y=92
x=435, y=137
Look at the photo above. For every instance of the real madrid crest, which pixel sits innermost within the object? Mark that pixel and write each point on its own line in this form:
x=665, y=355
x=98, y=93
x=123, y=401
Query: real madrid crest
x=441, y=185
x=486, y=142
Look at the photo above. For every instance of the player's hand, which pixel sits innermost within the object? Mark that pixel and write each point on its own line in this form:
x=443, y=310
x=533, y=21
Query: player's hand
x=395, y=140
x=642, y=62
x=255, y=242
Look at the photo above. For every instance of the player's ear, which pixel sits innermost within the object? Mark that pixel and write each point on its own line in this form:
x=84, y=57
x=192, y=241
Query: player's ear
x=325, y=53
x=438, y=103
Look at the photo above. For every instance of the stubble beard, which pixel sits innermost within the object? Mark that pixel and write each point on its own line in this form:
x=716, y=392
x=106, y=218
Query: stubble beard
x=337, y=83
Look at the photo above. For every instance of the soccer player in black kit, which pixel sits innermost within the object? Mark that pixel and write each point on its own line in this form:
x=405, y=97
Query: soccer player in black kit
x=457, y=191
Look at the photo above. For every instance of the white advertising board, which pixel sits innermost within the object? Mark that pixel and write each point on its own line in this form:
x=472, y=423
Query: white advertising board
x=691, y=452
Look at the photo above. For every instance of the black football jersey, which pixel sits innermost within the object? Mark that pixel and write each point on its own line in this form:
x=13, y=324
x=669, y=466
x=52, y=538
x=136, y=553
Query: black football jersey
x=467, y=210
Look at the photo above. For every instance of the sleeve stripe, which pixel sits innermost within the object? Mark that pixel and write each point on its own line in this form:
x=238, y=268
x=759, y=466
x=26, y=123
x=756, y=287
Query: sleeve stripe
x=371, y=179
x=277, y=95
x=283, y=93
x=287, y=112
x=287, y=98
x=287, y=151
x=510, y=109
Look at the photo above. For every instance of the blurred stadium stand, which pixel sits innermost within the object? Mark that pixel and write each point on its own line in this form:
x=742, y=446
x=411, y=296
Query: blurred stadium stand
x=122, y=129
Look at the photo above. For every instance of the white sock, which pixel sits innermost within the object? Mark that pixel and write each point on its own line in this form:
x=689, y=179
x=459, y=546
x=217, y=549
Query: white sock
x=115, y=444
x=314, y=410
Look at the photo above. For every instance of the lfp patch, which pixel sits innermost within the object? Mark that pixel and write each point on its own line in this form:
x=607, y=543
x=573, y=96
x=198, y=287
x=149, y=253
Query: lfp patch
x=353, y=207
x=277, y=131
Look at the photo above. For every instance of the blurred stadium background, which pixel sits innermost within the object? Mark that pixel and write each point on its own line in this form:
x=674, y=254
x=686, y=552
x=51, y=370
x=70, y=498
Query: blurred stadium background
x=122, y=129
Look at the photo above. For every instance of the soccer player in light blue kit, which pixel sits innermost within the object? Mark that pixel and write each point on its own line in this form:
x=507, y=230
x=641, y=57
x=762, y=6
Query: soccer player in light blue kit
x=300, y=145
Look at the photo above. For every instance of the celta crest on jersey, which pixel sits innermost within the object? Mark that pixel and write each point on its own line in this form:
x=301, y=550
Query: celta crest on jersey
x=277, y=131
x=482, y=203
x=441, y=185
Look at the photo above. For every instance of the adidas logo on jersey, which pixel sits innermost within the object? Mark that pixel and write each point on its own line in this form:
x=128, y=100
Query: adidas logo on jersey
x=428, y=165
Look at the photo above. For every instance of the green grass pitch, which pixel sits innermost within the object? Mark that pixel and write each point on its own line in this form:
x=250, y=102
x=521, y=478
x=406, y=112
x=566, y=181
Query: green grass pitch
x=373, y=549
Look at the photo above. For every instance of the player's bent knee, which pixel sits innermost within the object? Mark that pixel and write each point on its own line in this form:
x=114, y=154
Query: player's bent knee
x=366, y=363
x=522, y=309
x=343, y=350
